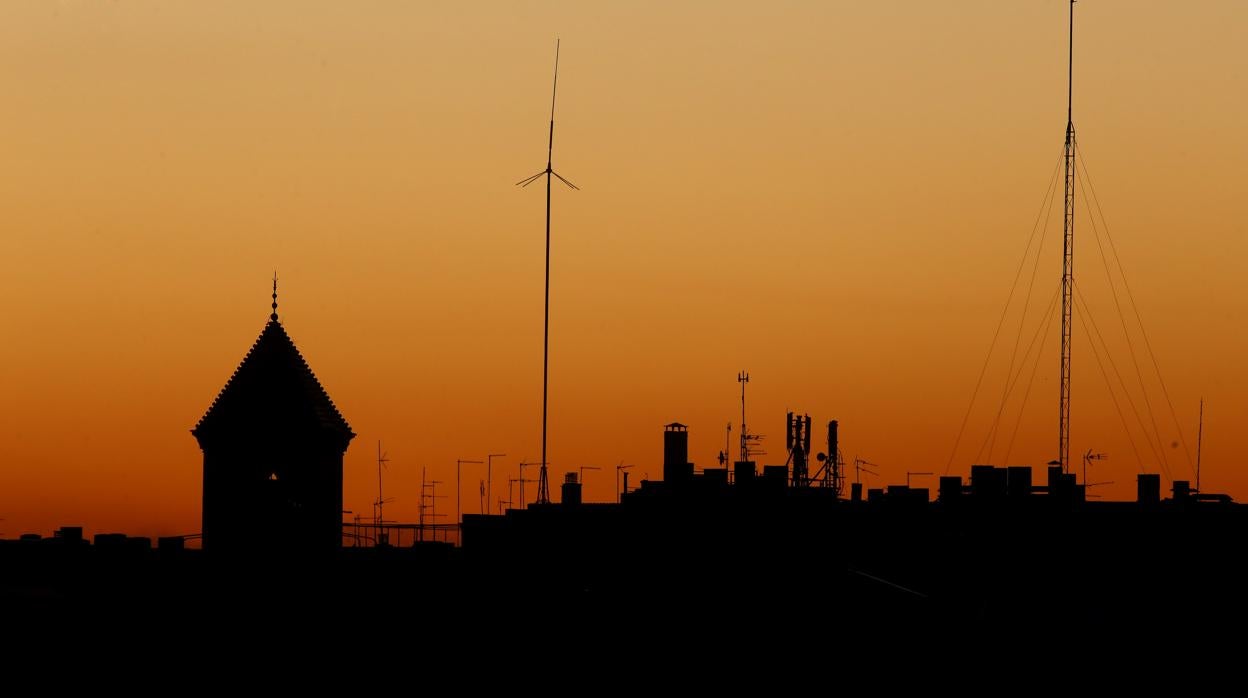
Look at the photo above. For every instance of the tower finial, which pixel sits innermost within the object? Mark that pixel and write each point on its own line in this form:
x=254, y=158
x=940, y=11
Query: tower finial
x=273, y=316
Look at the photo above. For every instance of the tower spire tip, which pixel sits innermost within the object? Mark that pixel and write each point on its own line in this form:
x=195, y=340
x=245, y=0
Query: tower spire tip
x=273, y=315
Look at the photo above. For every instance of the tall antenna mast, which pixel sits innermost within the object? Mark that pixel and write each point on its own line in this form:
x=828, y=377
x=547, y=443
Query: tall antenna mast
x=381, y=500
x=1200, y=433
x=1068, y=249
x=380, y=508
x=543, y=487
x=744, y=378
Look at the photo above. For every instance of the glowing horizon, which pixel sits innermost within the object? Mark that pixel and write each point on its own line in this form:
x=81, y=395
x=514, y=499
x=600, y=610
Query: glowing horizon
x=834, y=198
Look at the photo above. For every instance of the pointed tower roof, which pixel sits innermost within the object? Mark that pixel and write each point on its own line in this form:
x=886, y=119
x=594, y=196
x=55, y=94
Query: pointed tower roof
x=273, y=390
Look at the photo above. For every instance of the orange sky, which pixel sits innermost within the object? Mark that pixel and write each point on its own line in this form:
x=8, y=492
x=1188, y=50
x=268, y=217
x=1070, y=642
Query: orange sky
x=833, y=196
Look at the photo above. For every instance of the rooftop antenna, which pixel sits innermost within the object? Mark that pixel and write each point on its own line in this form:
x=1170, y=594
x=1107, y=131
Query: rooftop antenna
x=582, y=470
x=581, y=475
x=489, y=475
x=543, y=487
x=859, y=470
x=524, y=503
x=1087, y=459
x=459, y=464
x=831, y=470
x=910, y=474
x=1200, y=432
x=1068, y=245
x=429, y=494
x=797, y=443
x=621, y=468
x=381, y=500
x=743, y=378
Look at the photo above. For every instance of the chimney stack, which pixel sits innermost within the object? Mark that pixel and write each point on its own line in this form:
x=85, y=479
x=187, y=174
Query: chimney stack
x=676, y=465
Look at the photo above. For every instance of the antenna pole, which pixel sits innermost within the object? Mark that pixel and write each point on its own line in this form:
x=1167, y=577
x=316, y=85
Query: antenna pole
x=381, y=500
x=1068, y=247
x=554, y=87
x=1070, y=67
x=459, y=464
x=1200, y=432
x=489, y=476
x=744, y=378
x=543, y=486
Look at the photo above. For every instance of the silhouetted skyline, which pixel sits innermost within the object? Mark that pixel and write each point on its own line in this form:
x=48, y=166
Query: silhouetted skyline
x=832, y=196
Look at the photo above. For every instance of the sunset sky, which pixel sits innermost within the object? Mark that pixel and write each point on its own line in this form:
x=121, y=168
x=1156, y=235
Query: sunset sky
x=834, y=196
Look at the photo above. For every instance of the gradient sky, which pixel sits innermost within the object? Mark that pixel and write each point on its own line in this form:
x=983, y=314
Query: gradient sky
x=833, y=196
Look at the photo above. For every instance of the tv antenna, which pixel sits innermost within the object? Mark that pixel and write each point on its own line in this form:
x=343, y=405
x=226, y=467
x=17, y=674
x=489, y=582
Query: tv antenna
x=543, y=487
x=380, y=504
x=489, y=475
x=522, y=480
x=459, y=464
x=511, y=493
x=859, y=470
x=910, y=474
x=1087, y=459
x=583, y=468
x=429, y=494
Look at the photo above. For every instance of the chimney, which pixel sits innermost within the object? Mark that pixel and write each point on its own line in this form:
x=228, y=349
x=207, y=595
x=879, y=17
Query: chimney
x=571, y=491
x=676, y=466
x=1182, y=490
x=1148, y=488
